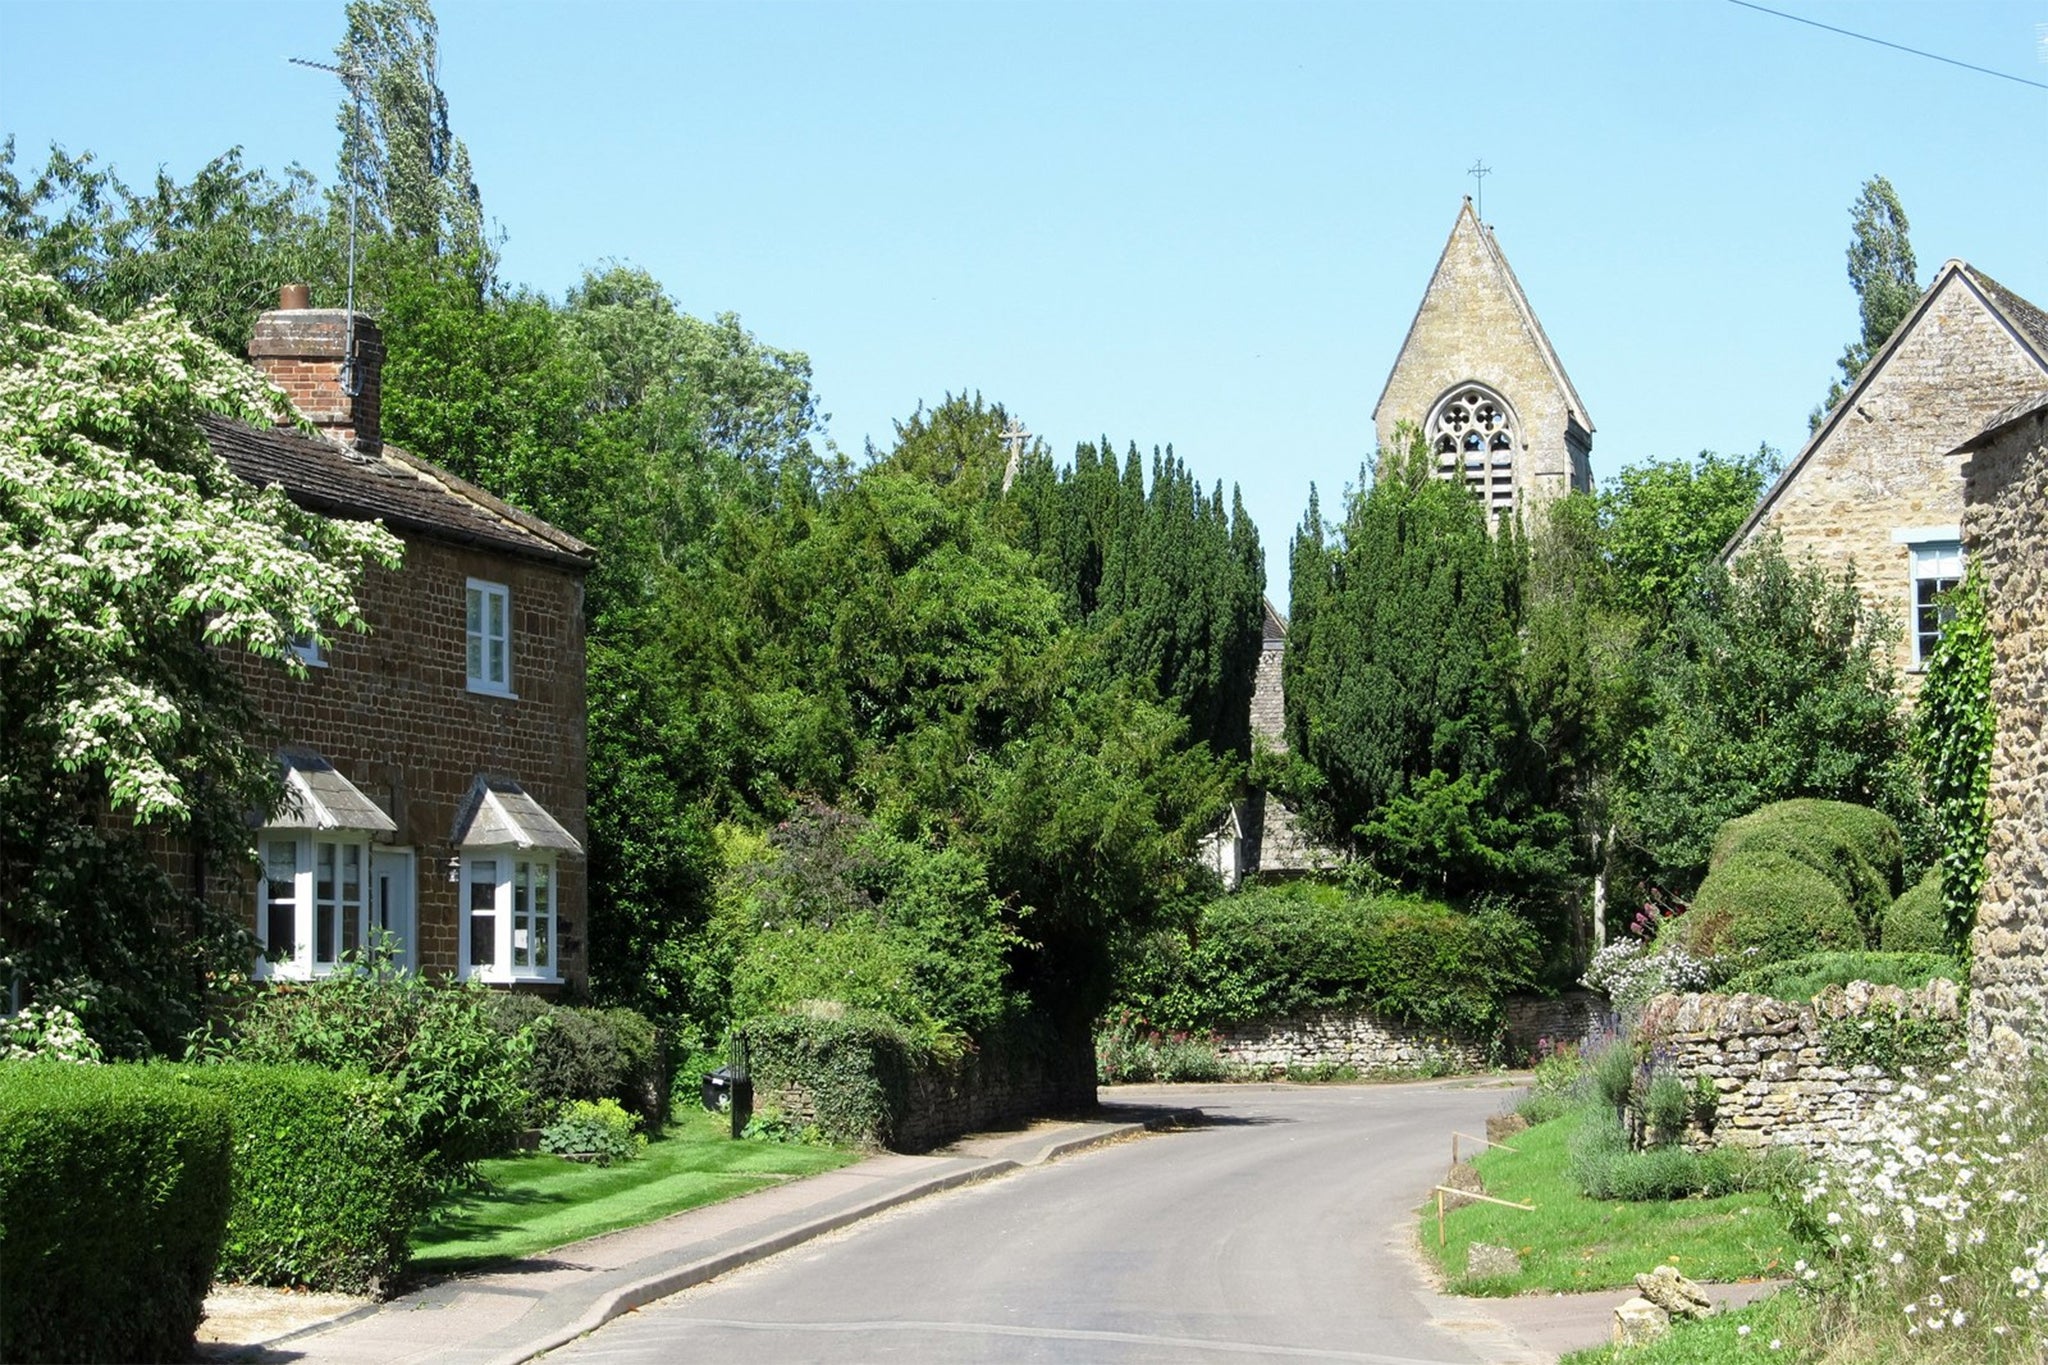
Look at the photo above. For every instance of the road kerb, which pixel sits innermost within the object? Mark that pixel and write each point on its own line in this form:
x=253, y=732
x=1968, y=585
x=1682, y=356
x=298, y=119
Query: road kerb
x=628, y=1297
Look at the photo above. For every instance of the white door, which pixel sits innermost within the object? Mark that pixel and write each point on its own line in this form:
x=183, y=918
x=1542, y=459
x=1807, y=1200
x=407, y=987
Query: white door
x=391, y=902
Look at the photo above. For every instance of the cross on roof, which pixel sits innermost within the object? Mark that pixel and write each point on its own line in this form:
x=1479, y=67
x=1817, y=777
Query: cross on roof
x=1479, y=171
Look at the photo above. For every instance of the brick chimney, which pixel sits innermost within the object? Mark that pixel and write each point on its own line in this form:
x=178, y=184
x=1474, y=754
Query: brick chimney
x=304, y=351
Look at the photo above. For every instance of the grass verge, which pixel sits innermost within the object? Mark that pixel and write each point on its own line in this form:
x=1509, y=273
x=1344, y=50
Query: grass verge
x=1571, y=1242
x=530, y=1203
x=1780, y=1328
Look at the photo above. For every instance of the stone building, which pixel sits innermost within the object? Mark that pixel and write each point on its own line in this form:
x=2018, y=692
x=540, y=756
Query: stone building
x=435, y=765
x=2005, y=531
x=1478, y=376
x=1874, y=486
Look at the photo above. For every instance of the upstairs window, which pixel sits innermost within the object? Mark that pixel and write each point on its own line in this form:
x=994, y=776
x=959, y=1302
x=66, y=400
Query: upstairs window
x=490, y=637
x=1472, y=433
x=1937, y=567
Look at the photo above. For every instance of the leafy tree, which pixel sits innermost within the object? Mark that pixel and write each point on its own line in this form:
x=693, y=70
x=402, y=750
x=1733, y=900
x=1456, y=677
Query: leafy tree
x=1401, y=677
x=130, y=555
x=1772, y=681
x=1883, y=273
x=1953, y=728
x=1663, y=520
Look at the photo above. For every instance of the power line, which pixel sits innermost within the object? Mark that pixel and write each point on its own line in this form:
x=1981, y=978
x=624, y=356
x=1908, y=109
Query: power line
x=1896, y=47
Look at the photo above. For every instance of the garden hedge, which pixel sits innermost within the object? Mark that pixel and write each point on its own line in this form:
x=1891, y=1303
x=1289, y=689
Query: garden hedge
x=1917, y=921
x=588, y=1055
x=326, y=1187
x=1766, y=907
x=114, y=1195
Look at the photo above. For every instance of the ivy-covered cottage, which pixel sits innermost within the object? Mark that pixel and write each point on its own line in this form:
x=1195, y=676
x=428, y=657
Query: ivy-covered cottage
x=435, y=765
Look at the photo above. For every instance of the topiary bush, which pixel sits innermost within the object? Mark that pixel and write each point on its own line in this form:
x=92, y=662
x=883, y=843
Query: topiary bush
x=1917, y=922
x=1855, y=847
x=1766, y=907
x=114, y=1195
x=856, y=1069
x=326, y=1186
x=1801, y=978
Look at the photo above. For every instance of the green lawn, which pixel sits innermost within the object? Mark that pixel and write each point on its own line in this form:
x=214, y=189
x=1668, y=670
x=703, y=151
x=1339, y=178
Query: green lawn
x=1572, y=1242
x=1784, y=1319
x=534, y=1202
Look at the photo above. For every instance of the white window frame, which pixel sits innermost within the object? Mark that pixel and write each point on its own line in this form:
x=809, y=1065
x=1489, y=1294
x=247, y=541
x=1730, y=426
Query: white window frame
x=521, y=888
x=479, y=640
x=1929, y=561
x=307, y=647
x=312, y=953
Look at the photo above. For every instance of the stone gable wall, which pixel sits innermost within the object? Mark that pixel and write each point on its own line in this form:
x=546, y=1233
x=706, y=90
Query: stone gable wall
x=1776, y=1082
x=1470, y=329
x=1885, y=468
x=392, y=711
x=2006, y=533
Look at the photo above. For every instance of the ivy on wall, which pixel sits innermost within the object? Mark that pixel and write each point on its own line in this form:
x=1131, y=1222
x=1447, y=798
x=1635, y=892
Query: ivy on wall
x=1951, y=741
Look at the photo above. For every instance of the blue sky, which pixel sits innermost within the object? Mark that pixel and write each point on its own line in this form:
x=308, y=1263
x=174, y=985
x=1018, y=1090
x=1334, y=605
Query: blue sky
x=1205, y=224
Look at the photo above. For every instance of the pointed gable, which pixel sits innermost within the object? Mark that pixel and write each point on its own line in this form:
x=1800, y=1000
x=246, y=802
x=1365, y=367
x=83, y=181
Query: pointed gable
x=1475, y=329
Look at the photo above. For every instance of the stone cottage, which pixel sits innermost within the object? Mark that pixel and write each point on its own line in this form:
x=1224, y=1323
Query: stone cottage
x=1874, y=486
x=435, y=765
x=2005, y=531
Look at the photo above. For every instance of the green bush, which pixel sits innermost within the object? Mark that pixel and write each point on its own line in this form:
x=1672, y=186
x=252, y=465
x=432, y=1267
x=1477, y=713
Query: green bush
x=1281, y=952
x=1128, y=1050
x=1917, y=922
x=856, y=1068
x=1802, y=978
x=585, y=1054
x=114, y=1194
x=326, y=1187
x=458, y=1077
x=1855, y=847
x=644, y=1074
x=601, y=1132
x=1759, y=908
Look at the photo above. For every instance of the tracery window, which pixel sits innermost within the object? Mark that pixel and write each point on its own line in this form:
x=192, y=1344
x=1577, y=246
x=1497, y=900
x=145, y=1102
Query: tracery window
x=1473, y=434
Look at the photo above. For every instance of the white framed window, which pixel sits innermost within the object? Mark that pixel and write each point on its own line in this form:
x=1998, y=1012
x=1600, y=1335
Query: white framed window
x=312, y=901
x=1937, y=567
x=508, y=915
x=489, y=631
x=307, y=647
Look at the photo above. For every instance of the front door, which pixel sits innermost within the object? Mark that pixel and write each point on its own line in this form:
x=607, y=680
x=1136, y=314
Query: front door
x=391, y=903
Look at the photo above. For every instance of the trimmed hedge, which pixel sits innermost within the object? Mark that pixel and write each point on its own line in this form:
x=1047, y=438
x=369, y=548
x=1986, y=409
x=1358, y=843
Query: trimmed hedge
x=587, y=1055
x=1855, y=847
x=1917, y=921
x=856, y=1068
x=114, y=1195
x=1281, y=952
x=326, y=1190
x=1767, y=907
x=1801, y=978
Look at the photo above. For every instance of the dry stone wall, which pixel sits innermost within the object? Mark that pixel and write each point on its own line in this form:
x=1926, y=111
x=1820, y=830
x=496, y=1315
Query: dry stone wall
x=1332, y=1039
x=2005, y=528
x=1775, y=1079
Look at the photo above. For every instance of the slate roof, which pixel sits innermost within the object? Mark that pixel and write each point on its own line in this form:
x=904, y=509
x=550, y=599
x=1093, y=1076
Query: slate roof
x=406, y=493
x=499, y=813
x=318, y=797
x=2032, y=405
x=2025, y=318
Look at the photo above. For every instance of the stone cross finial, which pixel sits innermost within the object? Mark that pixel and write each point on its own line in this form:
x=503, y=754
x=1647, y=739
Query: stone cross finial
x=1479, y=171
x=1014, y=436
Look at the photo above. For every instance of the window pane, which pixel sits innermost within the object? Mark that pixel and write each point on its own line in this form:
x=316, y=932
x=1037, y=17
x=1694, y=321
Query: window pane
x=324, y=908
x=497, y=674
x=543, y=914
x=522, y=914
x=476, y=611
x=476, y=658
x=351, y=897
x=497, y=631
x=281, y=895
x=483, y=912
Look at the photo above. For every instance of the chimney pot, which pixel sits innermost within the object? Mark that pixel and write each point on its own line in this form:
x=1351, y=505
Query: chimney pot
x=293, y=298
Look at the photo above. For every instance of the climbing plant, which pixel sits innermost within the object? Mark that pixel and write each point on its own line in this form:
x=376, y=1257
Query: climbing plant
x=1951, y=742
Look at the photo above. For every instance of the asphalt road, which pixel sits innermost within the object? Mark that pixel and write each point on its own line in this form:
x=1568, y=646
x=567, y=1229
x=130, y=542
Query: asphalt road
x=1280, y=1229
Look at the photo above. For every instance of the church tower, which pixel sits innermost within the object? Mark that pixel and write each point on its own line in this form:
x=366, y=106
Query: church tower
x=1479, y=378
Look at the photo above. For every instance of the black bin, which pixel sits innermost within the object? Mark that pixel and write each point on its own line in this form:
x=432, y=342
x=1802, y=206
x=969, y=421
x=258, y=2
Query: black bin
x=718, y=1090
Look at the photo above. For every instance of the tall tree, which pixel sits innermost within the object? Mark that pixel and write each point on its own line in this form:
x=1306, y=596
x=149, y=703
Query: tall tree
x=1661, y=521
x=1882, y=272
x=398, y=151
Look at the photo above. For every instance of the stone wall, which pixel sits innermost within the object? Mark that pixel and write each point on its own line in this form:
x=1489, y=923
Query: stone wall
x=1333, y=1038
x=1775, y=1080
x=1879, y=472
x=2006, y=533
x=1572, y=1018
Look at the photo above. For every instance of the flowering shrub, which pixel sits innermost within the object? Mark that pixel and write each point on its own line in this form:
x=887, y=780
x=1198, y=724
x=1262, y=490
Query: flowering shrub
x=48, y=1031
x=1933, y=1222
x=1127, y=1048
x=1628, y=973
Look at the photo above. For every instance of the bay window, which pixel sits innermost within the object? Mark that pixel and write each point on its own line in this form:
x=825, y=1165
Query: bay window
x=313, y=903
x=508, y=920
